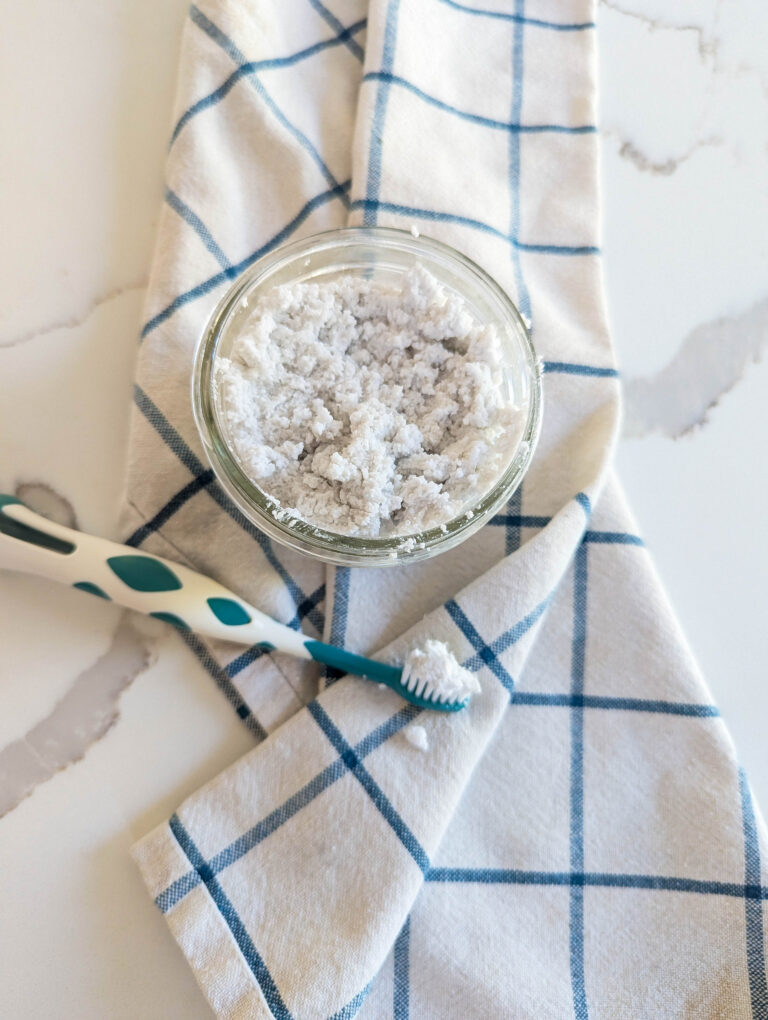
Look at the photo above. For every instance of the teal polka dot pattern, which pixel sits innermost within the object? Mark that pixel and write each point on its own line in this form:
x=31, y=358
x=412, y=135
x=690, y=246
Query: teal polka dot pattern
x=92, y=589
x=143, y=573
x=175, y=621
x=229, y=612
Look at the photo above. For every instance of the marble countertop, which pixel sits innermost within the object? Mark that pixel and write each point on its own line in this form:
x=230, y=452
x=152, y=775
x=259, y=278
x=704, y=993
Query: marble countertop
x=84, y=686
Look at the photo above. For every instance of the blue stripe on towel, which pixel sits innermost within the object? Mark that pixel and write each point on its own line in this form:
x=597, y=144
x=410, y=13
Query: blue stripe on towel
x=167, y=432
x=486, y=654
x=171, y=437
x=609, y=702
x=375, y=153
x=612, y=538
x=197, y=225
x=578, y=650
x=229, y=274
x=353, y=762
x=521, y=19
x=585, y=503
x=339, y=617
x=523, y=295
x=755, y=941
x=251, y=66
x=498, y=125
x=402, y=952
x=511, y=521
x=352, y=1008
x=264, y=828
x=308, y=609
x=599, y=880
x=202, y=481
x=250, y=655
x=245, y=659
x=436, y=216
x=212, y=30
x=330, y=19
x=223, y=681
x=232, y=918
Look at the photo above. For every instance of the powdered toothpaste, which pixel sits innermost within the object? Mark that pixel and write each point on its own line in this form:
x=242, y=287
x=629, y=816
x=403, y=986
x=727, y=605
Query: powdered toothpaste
x=434, y=664
x=417, y=736
x=368, y=408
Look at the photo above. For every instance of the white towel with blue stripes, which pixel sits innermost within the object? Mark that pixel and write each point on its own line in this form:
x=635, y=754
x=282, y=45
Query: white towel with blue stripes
x=579, y=842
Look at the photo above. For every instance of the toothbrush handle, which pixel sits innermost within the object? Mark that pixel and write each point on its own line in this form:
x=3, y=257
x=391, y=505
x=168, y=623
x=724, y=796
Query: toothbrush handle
x=148, y=584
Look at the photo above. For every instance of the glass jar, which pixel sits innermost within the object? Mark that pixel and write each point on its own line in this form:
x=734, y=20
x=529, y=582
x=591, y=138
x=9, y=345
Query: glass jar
x=381, y=254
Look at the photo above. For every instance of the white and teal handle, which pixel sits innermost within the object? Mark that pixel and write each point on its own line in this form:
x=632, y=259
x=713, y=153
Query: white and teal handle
x=168, y=591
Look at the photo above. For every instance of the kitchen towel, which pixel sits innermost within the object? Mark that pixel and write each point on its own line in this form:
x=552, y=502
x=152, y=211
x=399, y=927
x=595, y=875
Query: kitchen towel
x=580, y=841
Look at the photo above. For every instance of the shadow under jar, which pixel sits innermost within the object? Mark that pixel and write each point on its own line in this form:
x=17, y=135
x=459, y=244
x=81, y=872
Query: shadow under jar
x=381, y=255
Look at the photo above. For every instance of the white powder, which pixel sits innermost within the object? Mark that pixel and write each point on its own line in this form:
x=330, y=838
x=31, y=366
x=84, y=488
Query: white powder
x=368, y=408
x=417, y=736
x=435, y=663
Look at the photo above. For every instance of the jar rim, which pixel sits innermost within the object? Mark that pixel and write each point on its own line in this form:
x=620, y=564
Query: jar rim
x=258, y=506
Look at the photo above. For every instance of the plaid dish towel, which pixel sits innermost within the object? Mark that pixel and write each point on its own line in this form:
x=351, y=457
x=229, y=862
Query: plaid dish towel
x=579, y=842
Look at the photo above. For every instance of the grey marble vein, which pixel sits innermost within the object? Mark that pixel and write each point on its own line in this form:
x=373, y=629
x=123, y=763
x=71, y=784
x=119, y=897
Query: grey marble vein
x=82, y=716
x=707, y=46
x=73, y=321
x=709, y=362
x=629, y=151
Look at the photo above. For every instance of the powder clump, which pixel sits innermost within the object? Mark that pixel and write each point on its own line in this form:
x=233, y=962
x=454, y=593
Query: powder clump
x=368, y=408
x=417, y=736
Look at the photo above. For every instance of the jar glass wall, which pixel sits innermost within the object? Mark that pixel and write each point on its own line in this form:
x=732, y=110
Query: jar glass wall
x=384, y=255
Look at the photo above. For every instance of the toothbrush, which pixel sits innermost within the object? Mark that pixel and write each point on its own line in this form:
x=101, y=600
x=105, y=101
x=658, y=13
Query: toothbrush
x=179, y=596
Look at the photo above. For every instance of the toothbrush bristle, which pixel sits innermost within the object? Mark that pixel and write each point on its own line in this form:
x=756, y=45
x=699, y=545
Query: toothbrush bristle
x=421, y=687
x=430, y=693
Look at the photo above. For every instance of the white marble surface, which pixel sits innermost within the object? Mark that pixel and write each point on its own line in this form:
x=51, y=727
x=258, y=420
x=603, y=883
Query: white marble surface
x=87, y=90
